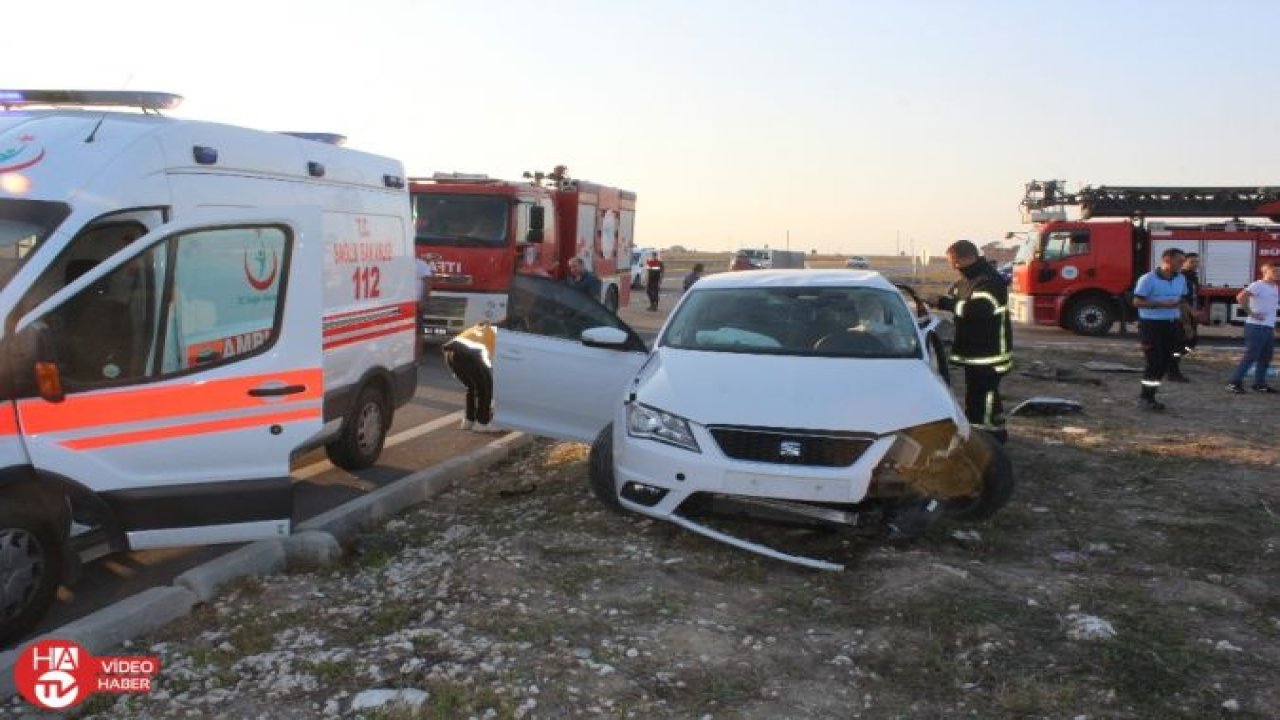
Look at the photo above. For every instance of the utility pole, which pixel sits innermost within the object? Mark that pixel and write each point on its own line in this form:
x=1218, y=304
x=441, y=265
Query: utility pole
x=788, y=239
x=897, y=243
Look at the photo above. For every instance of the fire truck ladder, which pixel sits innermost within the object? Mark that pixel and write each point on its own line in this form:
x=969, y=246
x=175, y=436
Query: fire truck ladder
x=1171, y=202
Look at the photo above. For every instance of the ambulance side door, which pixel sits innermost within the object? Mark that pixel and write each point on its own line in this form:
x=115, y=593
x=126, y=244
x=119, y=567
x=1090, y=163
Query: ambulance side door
x=190, y=367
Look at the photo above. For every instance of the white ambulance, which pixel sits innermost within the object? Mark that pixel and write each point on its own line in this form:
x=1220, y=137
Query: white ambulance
x=186, y=306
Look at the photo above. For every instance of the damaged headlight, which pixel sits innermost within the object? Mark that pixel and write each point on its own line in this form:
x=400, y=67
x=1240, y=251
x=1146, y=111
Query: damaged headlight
x=648, y=422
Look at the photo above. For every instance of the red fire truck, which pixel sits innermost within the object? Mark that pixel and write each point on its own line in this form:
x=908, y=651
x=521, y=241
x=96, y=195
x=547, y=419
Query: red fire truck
x=1076, y=273
x=478, y=231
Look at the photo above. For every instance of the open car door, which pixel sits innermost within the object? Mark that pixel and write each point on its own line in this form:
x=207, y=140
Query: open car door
x=563, y=361
x=190, y=370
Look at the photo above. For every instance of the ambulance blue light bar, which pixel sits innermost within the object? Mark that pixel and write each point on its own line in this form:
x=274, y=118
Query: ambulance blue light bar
x=149, y=101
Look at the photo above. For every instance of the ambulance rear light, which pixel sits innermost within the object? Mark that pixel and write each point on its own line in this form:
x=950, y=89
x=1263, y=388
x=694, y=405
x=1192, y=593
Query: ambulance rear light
x=146, y=101
x=49, y=381
x=204, y=155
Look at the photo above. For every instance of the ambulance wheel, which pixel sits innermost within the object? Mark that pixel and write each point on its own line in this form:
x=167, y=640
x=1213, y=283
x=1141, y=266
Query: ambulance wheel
x=997, y=483
x=364, y=430
x=600, y=469
x=31, y=565
x=611, y=299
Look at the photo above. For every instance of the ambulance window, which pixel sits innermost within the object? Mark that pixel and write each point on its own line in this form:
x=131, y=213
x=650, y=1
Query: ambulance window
x=226, y=296
x=24, y=224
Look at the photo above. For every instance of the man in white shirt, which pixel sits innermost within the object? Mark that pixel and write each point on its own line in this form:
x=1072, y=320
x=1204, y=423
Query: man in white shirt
x=1260, y=301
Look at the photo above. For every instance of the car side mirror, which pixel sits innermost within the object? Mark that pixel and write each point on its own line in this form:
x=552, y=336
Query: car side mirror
x=605, y=337
x=34, y=349
x=537, y=217
x=533, y=236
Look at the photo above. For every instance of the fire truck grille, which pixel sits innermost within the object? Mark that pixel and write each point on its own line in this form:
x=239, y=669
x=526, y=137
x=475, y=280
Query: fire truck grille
x=791, y=447
x=443, y=306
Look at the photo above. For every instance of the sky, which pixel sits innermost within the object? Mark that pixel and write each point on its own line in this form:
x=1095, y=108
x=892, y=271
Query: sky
x=837, y=126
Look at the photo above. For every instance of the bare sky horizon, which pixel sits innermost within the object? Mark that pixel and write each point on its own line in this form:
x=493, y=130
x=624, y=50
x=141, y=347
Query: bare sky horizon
x=856, y=127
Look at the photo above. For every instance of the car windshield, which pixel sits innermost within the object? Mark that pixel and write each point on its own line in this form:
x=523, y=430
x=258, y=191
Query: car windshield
x=460, y=220
x=861, y=322
x=24, y=224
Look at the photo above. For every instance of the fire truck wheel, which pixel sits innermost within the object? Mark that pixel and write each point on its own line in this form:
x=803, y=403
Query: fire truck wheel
x=611, y=299
x=31, y=563
x=600, y=469
x=997, y=483
x=364, y=430
x=1091, y=316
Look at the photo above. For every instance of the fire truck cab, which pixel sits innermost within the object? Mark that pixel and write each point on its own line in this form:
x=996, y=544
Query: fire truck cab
x=1077, y=274
x=478, y=232
x=186, y=306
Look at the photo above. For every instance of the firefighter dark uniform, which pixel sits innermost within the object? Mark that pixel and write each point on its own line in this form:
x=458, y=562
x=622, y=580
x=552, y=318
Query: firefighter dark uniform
x=983, y=344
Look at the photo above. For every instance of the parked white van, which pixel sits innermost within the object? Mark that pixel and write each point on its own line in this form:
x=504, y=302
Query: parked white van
x=186, y=306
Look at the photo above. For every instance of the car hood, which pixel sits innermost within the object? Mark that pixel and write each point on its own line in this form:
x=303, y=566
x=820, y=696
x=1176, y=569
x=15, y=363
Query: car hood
x=820, y=393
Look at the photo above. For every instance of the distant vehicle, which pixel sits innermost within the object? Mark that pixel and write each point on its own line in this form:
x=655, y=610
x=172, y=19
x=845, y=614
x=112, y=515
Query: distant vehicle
x=767, y=259
x=638, y=256
x=857, y=262
x=678, y=433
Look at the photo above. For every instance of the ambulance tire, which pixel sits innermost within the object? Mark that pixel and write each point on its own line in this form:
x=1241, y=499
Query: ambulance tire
x=600, y=470
x=31, y=566
x=364, y=431
x=997, y=484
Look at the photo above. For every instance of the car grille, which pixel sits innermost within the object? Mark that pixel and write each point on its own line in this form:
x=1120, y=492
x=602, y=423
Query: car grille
x=791, y=447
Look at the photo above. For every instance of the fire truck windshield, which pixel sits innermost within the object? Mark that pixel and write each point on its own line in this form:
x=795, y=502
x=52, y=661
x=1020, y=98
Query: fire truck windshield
x=460, y=220
x=24, y=224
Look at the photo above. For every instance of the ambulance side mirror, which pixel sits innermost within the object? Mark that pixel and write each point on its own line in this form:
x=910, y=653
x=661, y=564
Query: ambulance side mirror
x=35, y=349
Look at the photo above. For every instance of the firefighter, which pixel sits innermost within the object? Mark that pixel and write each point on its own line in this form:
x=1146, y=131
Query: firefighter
x=983, y=343
x=1160, y=297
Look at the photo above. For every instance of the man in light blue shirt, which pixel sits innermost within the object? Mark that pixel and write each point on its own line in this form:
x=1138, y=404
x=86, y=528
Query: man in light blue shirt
x=1159, y=297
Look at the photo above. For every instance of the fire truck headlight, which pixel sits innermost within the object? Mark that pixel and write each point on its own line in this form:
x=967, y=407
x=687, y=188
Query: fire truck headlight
x=654, y=424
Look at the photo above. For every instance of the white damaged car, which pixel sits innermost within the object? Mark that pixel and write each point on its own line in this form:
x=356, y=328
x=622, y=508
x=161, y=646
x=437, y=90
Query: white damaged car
x=815, y=395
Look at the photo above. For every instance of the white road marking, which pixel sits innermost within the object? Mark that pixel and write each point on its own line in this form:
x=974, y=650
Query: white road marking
x=392, y=440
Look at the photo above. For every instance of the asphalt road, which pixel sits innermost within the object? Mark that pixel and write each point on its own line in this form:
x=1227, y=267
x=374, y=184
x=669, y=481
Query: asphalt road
x=418, y=439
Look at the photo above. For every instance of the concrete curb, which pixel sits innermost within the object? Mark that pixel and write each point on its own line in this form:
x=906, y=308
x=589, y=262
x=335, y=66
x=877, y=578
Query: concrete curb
x=156, y=607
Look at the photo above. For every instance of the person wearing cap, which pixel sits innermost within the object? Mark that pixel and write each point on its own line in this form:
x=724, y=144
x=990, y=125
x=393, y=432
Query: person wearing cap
x=983, y=343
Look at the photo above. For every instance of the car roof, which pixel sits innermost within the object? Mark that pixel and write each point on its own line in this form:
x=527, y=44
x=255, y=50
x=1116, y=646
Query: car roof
x=796, y=278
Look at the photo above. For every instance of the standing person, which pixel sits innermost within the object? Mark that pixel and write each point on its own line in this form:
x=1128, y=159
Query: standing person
x=694, y=276
x=983, y=343
x=470, y=359
x=1159, y=296
x=1188, y=335
x=1260, y=301
x=582, y=280
x=653, y=269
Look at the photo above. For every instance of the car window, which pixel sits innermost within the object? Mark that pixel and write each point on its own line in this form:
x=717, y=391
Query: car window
x=859, y=322
x=542, y=306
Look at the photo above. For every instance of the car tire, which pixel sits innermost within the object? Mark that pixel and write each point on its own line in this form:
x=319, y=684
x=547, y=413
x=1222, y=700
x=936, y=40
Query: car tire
x=997, y=484
x=31, y=566
x=364, y=431
x=600, y=469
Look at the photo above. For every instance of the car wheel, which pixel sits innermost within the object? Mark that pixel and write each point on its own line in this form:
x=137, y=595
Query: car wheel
x=364, y=431
x=997, y=483
x=31, y=565
x=600, y=469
